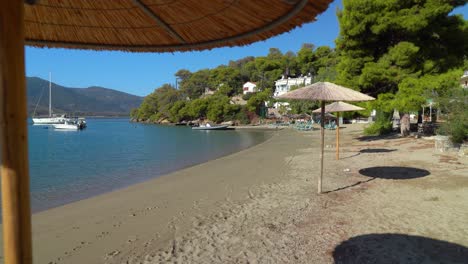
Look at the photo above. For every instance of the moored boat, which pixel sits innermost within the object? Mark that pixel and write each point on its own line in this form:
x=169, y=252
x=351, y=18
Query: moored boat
x=210, y=127
x=51, y=119
x=71, y=125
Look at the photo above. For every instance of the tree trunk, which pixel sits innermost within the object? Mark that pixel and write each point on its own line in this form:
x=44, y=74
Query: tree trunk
x=405, y=125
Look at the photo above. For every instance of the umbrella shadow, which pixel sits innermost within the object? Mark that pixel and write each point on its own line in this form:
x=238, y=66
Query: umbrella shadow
x=373, y=138
x=398, y=248
x=395, y=173
x=376, y=150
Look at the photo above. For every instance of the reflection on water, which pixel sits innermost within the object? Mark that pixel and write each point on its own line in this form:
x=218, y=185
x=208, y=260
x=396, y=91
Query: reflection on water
x=66, y=166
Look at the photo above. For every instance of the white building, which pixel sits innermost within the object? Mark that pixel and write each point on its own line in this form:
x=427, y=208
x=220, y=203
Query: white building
x=464, y=80
x=249, y=87
x=284, y=85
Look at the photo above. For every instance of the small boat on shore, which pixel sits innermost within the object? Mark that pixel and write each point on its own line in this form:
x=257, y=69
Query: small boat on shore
x=210, y=127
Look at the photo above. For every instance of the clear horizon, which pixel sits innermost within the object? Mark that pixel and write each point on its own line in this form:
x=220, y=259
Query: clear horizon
x=141, y=73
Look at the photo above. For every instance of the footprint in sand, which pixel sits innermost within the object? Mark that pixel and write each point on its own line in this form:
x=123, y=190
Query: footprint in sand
x=112, y=254
x=132, y=239
x=103, y=234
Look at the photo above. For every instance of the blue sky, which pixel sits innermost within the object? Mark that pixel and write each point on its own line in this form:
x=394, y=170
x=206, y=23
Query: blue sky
x=141, y=73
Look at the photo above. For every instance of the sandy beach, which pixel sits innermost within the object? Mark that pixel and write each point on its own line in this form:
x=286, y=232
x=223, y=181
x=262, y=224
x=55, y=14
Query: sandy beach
x=388, y=200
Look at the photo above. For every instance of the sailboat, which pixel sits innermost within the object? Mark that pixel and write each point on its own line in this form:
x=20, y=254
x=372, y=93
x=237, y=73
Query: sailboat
x=51, y=119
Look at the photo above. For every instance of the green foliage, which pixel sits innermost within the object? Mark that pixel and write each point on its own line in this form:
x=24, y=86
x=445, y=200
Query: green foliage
x=242, y=116
x=283, y=109
x=381, y=126
x=177, y=111
x=413, y=92
x=134, y=113
x=400, y=47
x=454, y=106
x=157, y=105
x=194, y=86
x=187, y=104
x=257, y=100
x=385, y=107
x=303, y=107
x=247, y=96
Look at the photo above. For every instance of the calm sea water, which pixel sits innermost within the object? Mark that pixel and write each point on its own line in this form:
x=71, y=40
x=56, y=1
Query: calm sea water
x=67, y=166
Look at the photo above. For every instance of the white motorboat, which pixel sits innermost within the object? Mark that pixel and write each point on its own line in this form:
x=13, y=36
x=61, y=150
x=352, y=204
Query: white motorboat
x=210, y=127
x=51, y=119
x=66, y=126
x=71, y=125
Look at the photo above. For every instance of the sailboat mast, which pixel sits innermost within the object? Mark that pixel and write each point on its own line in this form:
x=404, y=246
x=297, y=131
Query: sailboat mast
x=50, y=94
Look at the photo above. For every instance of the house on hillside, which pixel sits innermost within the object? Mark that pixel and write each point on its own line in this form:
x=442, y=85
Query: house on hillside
x=249, y=87
x=284, y=84
x=464, y=80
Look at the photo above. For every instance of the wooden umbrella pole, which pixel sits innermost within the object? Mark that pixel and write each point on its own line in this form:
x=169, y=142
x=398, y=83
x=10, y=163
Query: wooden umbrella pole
x=338, y=136
x=14, y=170
x=322, y=143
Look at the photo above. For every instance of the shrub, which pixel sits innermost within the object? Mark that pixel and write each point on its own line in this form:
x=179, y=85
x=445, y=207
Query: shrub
x=378, y=128
x=381, y=126
x=247, y=96
x=455, y=105
x=456, y=128
x=242, y=116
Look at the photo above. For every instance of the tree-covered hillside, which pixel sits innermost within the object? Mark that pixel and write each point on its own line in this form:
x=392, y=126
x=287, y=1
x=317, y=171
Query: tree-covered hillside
x=80, y=101
x=402, y=52
x=188, y=102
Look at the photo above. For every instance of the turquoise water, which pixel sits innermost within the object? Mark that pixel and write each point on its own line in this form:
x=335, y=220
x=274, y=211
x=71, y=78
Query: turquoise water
x=67, y=166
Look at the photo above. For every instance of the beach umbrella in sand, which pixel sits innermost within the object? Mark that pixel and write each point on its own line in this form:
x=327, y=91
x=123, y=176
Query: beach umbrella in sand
x=338, y=107
x=126, y=25
x=323, y=92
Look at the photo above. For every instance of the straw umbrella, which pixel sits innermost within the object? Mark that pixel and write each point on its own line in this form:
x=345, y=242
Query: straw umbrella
x=128, y=25
x=338, y=107
x=325, y=91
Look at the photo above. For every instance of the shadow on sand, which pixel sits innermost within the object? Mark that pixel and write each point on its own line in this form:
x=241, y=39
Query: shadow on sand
x=395, y=173
x=373, y=138
x=376, y=150
x=398, y=248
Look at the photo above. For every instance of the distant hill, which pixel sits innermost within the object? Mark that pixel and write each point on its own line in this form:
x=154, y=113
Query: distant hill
x=92, y=101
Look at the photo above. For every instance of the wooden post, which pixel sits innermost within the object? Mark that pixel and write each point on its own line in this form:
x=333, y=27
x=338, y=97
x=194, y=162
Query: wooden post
x=14, y=169
x=338, y=136
x=322, y=143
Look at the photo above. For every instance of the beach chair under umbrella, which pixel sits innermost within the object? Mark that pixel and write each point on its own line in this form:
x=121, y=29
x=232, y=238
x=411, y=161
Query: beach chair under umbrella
x=323, y=92
x=127, y=25
x=338, y=107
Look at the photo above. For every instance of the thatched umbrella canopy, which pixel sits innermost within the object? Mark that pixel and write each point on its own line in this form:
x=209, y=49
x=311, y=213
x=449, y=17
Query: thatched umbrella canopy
x=149, y=25
x=325, y=91
x=338, y=107
x=128, y=25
